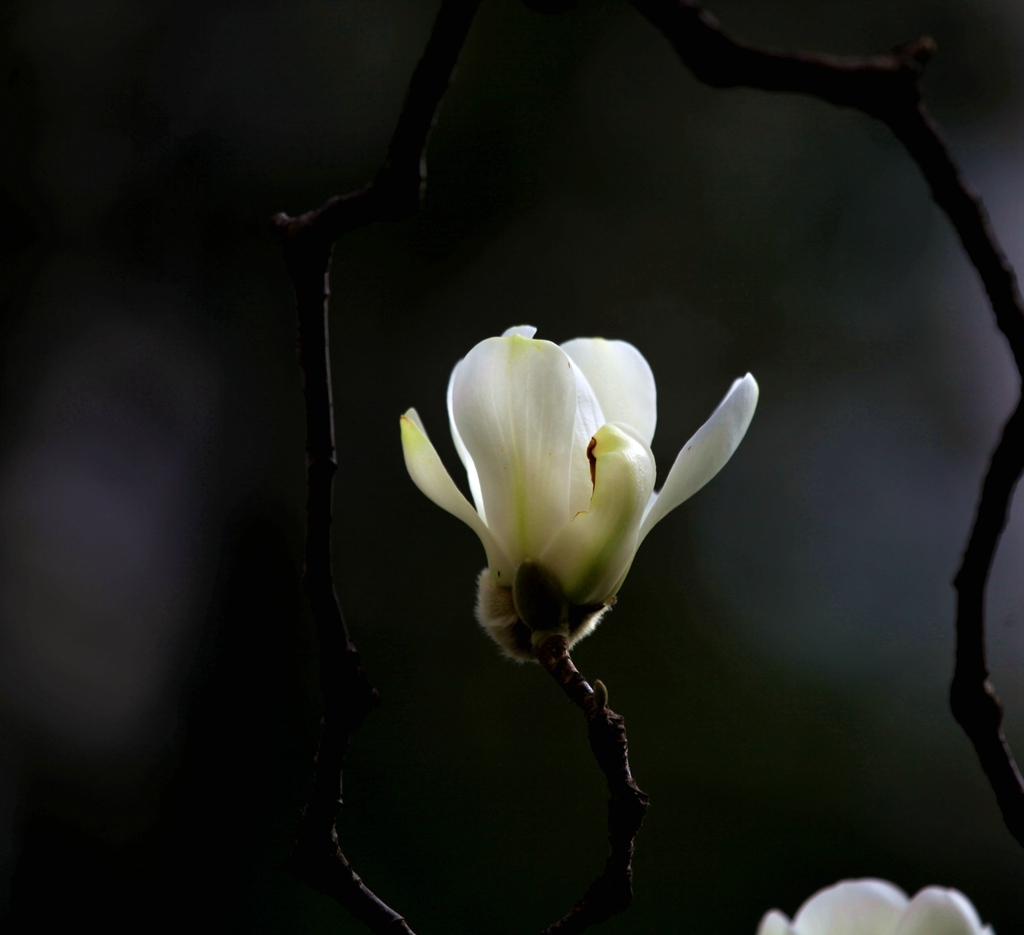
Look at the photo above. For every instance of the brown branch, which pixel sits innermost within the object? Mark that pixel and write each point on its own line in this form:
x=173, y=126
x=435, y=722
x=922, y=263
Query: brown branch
x=396, y=192
x=612, y=891
x=972, y=696
x=887, y=87
x=308, y=241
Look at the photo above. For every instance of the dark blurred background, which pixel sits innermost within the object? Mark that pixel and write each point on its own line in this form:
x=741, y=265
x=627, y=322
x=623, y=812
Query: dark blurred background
x=783, y=645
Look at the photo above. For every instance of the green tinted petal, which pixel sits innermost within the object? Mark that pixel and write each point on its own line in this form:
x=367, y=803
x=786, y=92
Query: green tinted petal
x=430, y=475
x=592, y=553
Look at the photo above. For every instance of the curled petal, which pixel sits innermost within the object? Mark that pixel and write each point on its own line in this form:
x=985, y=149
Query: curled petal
x=621, y=380
x=429, y=474
x=704, y=455
x=514, y=405
x=592, y=553
x=852, y=907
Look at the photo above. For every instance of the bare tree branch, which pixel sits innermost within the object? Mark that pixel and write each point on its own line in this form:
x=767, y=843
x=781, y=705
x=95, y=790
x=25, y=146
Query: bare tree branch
x=398, y=189
x=972, y=696
x=887, y=87
x=308, y=241
x=612, y=891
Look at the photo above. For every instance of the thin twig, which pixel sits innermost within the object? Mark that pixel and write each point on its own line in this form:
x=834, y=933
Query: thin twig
x=972, y=696
x=308, y=241
x=887, y=87
x=612, y=891
x=397, y=191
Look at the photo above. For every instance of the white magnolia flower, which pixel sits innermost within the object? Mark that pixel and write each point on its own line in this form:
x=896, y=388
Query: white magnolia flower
x=556, y=443
x=875, y=907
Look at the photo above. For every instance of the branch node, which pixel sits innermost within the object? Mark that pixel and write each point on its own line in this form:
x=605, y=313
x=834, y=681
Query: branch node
x=975, y=705
x=888, y=87
x=307, y=242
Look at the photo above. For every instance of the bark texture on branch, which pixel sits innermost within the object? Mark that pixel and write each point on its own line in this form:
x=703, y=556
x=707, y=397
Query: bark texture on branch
x=888, y=87
x=397, y=190
x=885, y=87
x=308, y=242
x=612, y=891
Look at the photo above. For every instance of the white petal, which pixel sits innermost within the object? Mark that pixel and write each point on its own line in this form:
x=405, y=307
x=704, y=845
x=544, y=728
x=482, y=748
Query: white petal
x=524, y=331
x=621, y=380
x=937, y=911
x=467, y=461
x=429, y=474
x=590, y=555
x=853, y=907
x=704, y=455
x=514, y=403
x=775, y=923
x=414, y=417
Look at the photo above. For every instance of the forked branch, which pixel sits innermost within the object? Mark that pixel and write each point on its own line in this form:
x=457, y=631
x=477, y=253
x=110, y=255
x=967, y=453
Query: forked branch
x=308, y=241
x=885, y=87
x=888, y=87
